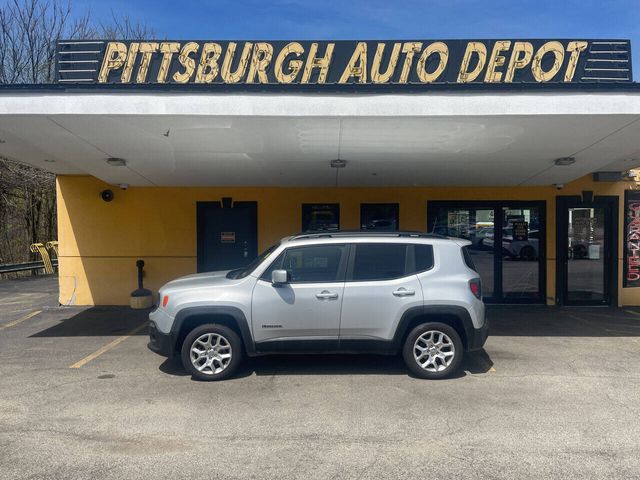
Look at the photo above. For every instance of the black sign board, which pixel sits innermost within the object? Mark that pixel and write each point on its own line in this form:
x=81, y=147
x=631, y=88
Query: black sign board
x=520, y=231
x=631, y=263
x=376, y=62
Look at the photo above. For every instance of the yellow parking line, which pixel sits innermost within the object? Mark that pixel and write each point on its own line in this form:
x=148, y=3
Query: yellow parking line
x=108, y=347
x=20, y=320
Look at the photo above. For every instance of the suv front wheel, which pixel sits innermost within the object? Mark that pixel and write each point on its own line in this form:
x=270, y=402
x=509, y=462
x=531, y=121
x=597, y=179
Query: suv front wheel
x=211, y=352
x=433, y=350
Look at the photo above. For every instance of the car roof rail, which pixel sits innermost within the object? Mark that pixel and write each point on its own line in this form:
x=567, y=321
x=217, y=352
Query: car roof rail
x=365, y=233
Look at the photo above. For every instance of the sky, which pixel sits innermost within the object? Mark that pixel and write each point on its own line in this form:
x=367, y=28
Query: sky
x=378, y=19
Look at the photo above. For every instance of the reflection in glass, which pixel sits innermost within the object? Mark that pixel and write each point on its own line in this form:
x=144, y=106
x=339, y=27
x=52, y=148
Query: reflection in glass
x=379, y=216
x=520, y=252
x=476, y=225
x=320, y=216
x=585, y=258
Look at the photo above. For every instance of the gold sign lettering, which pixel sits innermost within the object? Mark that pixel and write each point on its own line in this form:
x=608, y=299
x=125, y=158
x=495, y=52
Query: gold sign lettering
x=235, y=76
x=318, y=62
x=128, y=66
x=575, y=48
x=437, y=48
x=146, y=49
x=520, y=58
x=479, y=50
x=357, y=66
x=554, y=48
x=167, y=49
x=409, y=49
x=376, y=75
x=496, y=60
x=113, y=59
x=187, y=62
x=294, y=66
x=208, y=67
x=262, y=54
x=312, y=62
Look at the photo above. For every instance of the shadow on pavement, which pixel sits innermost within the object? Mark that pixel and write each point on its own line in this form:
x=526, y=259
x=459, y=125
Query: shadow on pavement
x=98, y=322
x=473, y=363
x=543, y=321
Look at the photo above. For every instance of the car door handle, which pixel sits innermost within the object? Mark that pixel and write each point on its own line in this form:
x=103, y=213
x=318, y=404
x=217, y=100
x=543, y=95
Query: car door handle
x=326, y=294
x=403, y=292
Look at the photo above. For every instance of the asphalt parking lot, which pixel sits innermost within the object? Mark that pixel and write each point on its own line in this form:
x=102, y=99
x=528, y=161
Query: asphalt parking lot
x=554, y=395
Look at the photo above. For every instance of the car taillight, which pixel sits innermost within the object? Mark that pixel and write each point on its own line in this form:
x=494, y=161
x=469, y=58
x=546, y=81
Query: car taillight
x=476, y=287
x=165, y=300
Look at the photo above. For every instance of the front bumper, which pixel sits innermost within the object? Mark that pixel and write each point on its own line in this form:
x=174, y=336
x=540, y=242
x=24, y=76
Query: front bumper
x=160, y=343
x=479, y=336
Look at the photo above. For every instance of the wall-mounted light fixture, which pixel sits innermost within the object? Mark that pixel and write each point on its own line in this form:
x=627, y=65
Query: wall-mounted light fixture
x=117, y=162
x=564, y=161
x=338, y=163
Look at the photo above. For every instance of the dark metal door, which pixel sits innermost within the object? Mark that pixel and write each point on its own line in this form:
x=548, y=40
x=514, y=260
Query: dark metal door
x=587, y=247
x=227, y=234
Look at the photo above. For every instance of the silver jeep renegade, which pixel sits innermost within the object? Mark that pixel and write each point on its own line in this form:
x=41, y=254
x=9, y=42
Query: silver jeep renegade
x=348, y=292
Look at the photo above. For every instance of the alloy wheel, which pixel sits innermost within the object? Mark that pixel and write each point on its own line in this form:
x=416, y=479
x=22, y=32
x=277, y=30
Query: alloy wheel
x=433, y=351
x=211, y=353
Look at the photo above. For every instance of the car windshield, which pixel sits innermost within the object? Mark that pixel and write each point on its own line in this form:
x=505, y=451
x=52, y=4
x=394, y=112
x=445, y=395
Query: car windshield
x=244, y=271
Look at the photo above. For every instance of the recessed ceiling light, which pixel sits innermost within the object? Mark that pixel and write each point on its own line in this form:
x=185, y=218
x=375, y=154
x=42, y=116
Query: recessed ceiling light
x=338, y=163
x=564, y=161
x=117, y=162
x=49, y=160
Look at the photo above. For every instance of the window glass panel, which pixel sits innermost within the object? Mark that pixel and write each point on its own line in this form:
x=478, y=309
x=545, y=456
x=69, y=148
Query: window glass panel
x=520, y=252
x=424, y=257
x=275, y=265
x=320, y=216
x=314, y=264
x=476, y=225
x=379, y=261
x=379, y=216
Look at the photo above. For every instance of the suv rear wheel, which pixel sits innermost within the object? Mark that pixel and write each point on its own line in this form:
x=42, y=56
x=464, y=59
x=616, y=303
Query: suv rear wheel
x=433, y=350
x=211, y=352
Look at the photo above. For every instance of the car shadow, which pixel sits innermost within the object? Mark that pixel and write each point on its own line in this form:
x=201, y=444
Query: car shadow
x=474, y=363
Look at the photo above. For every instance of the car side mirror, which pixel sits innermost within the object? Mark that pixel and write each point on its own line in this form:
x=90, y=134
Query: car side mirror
x=279, y=277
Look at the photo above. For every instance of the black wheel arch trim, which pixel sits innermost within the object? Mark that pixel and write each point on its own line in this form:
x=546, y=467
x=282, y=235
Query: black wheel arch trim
x=233, y=312
x=459, y=312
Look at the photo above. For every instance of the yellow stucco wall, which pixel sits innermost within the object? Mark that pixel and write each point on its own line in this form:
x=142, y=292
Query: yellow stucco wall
x=100, y=242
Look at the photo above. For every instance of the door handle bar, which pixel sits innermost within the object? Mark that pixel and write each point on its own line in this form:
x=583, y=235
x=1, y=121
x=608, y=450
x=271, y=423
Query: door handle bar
x=403, y=292
x=326, y=294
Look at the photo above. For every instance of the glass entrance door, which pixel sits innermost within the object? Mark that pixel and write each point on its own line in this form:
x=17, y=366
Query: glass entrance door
x=586, y=251
x=507, y=245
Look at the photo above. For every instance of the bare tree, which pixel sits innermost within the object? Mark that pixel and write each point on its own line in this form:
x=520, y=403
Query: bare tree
x=29, y=30
x=124, y=28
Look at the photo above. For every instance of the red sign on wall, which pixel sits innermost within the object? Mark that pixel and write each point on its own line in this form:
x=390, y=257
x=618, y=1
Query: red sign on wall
x=632, y=239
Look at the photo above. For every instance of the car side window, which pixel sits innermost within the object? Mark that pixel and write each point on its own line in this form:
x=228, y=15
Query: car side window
x=315, y=263
x=423, y=258
x=375, y=261
x=275, y=265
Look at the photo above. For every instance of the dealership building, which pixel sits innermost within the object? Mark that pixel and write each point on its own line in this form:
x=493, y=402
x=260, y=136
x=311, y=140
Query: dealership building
x=197, y=155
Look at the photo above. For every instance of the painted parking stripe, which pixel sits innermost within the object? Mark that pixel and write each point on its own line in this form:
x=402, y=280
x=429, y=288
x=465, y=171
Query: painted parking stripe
x=108, y=347
x=21, y=319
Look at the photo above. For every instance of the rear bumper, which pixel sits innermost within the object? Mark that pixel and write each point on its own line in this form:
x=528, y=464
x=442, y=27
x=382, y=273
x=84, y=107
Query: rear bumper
x=160, y=343
x=478, y=337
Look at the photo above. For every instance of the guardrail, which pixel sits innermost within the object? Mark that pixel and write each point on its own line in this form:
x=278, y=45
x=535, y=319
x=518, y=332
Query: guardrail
x=24, y=267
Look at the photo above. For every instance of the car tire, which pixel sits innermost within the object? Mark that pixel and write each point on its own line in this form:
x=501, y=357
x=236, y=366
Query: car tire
x=205, y=349
x=437, y=364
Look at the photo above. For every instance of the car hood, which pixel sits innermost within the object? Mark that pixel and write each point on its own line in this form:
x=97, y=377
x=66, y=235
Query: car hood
x=208, y=279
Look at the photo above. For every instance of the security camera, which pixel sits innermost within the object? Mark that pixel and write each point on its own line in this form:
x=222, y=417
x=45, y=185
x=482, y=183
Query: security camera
x=123, y=186
x=559, y=186
x=107, y=195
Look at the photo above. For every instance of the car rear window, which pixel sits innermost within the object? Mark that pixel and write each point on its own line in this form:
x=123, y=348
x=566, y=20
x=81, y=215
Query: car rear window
x=466, y=254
